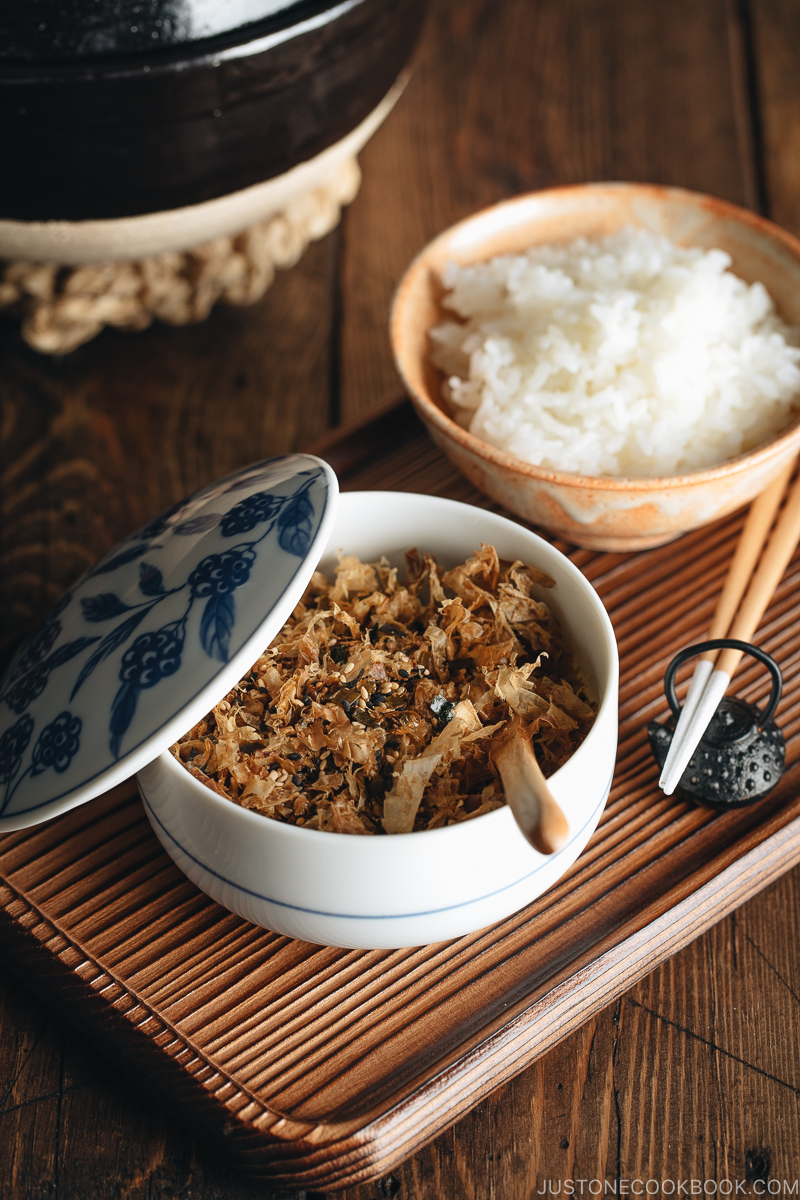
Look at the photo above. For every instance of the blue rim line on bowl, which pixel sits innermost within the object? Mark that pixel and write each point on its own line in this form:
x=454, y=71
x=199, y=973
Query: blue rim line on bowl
x=374, y=916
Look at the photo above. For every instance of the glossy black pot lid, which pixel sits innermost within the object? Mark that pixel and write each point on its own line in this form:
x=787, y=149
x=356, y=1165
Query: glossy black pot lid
x=41, y=31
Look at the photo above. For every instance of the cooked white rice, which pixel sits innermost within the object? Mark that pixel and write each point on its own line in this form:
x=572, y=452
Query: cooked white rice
x=626, y=355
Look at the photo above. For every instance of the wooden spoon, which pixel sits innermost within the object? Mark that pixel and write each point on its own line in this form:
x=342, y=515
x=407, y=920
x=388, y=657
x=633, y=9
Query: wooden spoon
x=529, y=798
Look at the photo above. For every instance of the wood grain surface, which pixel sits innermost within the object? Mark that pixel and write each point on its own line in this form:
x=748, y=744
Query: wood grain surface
x=692, y=1073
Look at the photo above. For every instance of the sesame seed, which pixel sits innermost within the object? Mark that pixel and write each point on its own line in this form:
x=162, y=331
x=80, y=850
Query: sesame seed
x=364, y=693
x=348, y=667
x=362, y=703
x=273, y=776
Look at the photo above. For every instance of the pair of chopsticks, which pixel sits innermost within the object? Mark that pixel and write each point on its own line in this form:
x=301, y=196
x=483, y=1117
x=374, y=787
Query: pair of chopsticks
x=738, y=614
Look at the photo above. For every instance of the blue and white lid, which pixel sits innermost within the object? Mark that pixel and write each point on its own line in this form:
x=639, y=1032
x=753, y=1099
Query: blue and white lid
x=157, y=633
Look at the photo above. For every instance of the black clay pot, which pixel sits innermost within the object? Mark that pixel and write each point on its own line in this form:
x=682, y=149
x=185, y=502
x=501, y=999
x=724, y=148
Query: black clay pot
x=115, y=108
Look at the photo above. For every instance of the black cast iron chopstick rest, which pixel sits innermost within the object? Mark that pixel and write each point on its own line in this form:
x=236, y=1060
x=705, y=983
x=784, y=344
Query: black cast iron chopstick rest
x=742, y=753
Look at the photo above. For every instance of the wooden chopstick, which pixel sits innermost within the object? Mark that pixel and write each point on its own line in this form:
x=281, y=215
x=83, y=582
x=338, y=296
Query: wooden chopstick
x=748, y=548
x=774, y=562
x=738, y=613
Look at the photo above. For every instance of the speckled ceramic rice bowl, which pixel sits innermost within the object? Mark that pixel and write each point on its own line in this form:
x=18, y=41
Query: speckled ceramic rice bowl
x=599, y=512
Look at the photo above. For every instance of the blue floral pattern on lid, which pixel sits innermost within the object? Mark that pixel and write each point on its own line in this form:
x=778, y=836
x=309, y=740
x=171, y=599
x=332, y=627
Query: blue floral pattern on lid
x=156, y=633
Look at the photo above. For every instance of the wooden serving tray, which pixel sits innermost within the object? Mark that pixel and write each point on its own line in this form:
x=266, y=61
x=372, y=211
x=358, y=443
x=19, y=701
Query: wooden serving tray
x=326, y=1067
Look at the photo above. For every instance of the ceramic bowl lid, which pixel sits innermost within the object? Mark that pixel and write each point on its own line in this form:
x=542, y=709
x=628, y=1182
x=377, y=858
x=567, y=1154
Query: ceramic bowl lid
x=155, y=634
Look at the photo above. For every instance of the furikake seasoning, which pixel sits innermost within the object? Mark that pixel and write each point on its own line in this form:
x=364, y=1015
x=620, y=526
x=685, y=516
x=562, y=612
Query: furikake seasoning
x=376, y=708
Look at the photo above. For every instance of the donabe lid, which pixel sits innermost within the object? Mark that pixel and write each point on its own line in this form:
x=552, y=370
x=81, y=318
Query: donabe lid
x=157, y=633
x=74, y=31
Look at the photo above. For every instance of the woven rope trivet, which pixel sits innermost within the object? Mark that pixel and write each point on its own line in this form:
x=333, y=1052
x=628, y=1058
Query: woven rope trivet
x=63, y=307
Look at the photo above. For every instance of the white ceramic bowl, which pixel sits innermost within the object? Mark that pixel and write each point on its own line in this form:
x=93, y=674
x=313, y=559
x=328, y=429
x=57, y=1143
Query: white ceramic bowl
x=407, y=889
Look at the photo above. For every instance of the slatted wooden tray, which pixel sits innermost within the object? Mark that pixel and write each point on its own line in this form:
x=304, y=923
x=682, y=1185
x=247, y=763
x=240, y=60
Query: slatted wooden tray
x=324, y=1067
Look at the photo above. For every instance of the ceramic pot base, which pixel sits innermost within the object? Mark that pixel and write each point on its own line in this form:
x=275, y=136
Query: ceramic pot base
x=63, y=307
x=66, y=280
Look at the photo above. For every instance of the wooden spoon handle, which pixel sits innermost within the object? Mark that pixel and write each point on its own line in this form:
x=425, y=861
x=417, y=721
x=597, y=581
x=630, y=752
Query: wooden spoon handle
x=530, y=799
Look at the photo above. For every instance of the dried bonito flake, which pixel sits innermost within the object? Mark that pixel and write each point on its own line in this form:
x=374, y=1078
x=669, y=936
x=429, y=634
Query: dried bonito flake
x=379, y=706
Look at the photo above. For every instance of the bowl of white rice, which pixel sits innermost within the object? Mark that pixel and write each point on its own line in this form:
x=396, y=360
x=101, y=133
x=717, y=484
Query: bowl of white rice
x=616, y=363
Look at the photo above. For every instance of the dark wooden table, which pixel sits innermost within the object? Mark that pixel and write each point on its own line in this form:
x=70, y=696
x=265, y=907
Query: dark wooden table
x=693, y=1073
